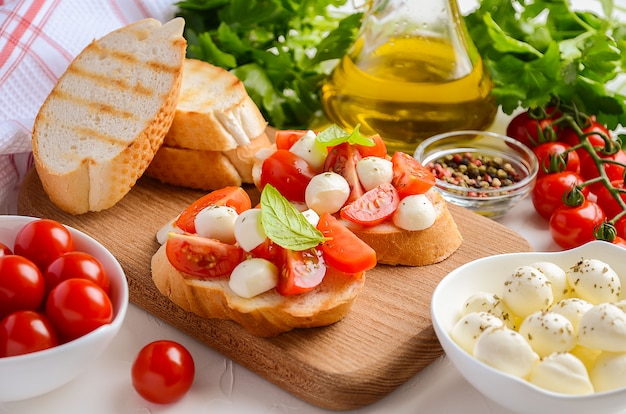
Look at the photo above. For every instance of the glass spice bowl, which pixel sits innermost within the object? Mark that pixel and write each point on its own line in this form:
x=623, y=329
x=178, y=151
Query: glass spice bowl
x=482, y=171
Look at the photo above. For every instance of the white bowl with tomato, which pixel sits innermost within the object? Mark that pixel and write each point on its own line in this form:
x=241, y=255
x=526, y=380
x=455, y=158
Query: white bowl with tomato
x=64, y=297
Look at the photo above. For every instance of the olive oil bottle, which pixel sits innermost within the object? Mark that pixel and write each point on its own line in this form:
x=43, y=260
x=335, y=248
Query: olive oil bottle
x=412, y=72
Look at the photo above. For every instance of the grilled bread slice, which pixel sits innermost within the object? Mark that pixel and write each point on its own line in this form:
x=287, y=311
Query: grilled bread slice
x=108, y=114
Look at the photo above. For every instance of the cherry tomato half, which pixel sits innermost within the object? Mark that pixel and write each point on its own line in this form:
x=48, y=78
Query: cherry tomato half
x=202, y=257
x=409, y=176
x=163, y=372
x=232, y=196
x=373, y=207
x=22, y=285
x=42, y=241
x=379, y=149
x=285, y=138
x=301, y=271
x=26, y=331
x=574, y=226
x=76, y=265
x=547, y=194
x=342, y=160
x=78, y=306
x=289, y=173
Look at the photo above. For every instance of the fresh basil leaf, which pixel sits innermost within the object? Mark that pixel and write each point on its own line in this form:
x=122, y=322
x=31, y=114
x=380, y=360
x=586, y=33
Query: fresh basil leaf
x=335, y=135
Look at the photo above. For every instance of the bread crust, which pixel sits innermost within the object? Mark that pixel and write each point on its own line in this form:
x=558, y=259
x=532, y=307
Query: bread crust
x=266, y=315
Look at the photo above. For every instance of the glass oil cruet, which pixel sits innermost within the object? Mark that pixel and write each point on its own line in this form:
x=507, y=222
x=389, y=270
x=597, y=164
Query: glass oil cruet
x=412, y=72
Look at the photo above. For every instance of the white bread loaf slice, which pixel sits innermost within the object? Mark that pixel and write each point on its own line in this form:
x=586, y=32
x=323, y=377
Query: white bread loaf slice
x=266, y=315
x=395, y=246
x=215, y=112
x=108, y=114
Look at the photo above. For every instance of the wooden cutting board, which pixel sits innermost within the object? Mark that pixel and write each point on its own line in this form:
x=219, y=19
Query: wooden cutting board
x=386, y=338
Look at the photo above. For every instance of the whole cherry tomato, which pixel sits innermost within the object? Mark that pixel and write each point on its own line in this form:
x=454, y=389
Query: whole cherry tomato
x=589, y=170
x=300, y=271
x=22, y=285
x=596, y=134
x=547, y=194
x=78, y=306
x=289, y=173
x=620, y=241
x=5, y=250
x=620, y=227
x=409, y=176
x=202, y=257
x=373, y=207
x=574, y=226
x=163, y=372
x=26, y=331
x=606, y=200
x=546, y=153
x=76, y=265
x=42, y=241
x=533, y=130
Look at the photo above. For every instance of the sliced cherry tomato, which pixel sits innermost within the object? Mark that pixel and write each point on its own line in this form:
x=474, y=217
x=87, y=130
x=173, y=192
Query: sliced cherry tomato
x=22, y=285
x=76, y=265
x=202, y=257
x=342, y=159
x=531, y=130
x=163, y=372
x=234, y=197
x=574, y=226
x=379, y=149
x=547, y=194
x=26, y=331
x=301, y=271
x=344, y=251
x=589, y=170
x=42, y=241
x=546, y=155
x=373, y=207
x=410, y=176
x=606, y=200
x=289, y=173
x=5, y=250
x=285, y=138
x=78, y=306
x=267, y=250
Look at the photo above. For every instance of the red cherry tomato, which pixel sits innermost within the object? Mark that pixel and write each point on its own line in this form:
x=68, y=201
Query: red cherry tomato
x=620, y=227
x=163, y=372
x=234, y=197
x=202, y=257
x=267, y=250
x=532, y=131
x=373, y=207
x=620, y=241
x=589, y=170
x=21, y=285
x=596, y=133
x=547, y=194
x=78, y=306
x=606, y=200
x=545, y=151
x=42, y=241
x=26, y=331
x=301, y=271
x=285, y=138
x=379, y=149
x=5, y=250
x=344, y=251
x=342, y=159
x=409, y=176
x=574, y=226
x=76, y=265
x=289, y=173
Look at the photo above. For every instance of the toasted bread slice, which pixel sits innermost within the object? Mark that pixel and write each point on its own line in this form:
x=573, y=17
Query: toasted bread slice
x=266, y=315
x=214, y=111
x=108, y=114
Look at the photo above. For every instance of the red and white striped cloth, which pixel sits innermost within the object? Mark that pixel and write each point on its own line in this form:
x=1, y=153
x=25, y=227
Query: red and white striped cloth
x=38, y=40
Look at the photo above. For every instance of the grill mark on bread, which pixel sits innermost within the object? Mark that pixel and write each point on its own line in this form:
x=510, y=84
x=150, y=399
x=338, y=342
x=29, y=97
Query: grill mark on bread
x=95, y=106
x=104, y=79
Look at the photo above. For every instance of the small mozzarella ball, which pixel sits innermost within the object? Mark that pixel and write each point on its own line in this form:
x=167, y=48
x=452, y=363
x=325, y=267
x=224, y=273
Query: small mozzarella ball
x=609, y=372
x=557, y=277
x=311, y=216
x=248, y=229
x=415, y=212
x=594, y=281
x=603, y=327
x=563, y=373
x=327, y=192
x=586, y=355
x=374, y=171
x=309, y=149
x=506, y=350
x=572, y=308
x=166, y=229
x=253, y=277
x=548, y=332
x=467, y=330
x=217, y=222
x=527, y=290
x=490, y=303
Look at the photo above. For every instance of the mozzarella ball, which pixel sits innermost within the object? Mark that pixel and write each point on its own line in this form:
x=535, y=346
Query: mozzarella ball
x=603, y=327
x=415, y=212
x=217, y=222
x=548, y=332
x=253, y=277
x=563, y=373
x=527, y=290
x=467, y=330
x=506, y=350
x=327, y=193
x=310, y=150
x=374, y=171
x=572, y=308
x=594, y=281
x=609, y=372
x=490, y=303
x=557, y=277
x=311, y=216
x=249, y=232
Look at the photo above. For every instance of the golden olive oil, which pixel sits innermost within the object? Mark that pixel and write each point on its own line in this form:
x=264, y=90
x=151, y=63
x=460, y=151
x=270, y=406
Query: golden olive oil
x=408, y=89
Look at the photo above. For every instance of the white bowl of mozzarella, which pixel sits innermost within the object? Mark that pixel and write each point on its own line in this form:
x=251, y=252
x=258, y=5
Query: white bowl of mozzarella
x=539, y=332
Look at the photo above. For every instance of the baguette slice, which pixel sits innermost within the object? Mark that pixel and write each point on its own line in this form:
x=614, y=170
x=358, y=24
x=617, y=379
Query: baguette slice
x=395, y=246
x=108, y=114
x=214, y=111
x=266, y=315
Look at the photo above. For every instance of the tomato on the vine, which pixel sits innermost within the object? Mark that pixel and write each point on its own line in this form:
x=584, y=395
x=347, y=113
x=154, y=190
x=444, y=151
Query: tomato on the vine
x=620, y=241
x=163, y=372
x=373, y=207
x=606, y=200
x=342, y=159
x=300, y=271
x=5, y=250
x=288, y=172
x=595, y=132
x=547, y=194
x=410, y=176
x=574, y=226
x=546, y=154
x=22, y=285
x=26, y=331
x=589, y=170
x=532, y=131
x=42, y=241
x=76, y=265
x=202, y=257
x=232, y=196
